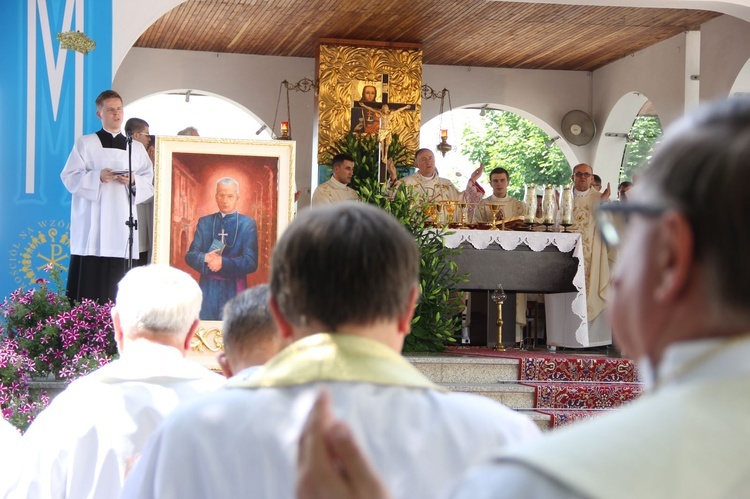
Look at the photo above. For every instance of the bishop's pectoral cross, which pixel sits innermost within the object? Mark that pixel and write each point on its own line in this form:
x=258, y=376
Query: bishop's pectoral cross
x=222, y=235
x=385, y=111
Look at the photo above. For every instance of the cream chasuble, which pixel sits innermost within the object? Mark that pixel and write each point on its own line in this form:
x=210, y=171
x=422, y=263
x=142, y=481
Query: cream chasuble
x=596, y=260
x=438, y=189
x=242, y=441
x=511, y=208
x=333, y=191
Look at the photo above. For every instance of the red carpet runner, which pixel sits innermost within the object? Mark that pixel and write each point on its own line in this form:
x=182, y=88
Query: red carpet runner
x=569, y=388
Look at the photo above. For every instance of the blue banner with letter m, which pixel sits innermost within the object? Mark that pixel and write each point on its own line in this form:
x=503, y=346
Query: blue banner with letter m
x=47, y=98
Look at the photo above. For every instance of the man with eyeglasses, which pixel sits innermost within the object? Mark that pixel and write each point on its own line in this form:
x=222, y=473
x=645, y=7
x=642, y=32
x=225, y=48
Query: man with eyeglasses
x=137, y=129
x=680, y=303
x=96, y=174
x=596, y=266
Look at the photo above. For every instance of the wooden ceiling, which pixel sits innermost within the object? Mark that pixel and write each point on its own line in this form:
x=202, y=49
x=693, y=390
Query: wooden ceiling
x=452, y=32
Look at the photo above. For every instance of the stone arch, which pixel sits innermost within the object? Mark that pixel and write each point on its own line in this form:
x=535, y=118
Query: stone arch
x=214, y=95
x=610, y=148
x=741, y=85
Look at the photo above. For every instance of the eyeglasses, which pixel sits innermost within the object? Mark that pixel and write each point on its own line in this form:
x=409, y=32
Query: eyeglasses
x=613, y=219
x=583, y=174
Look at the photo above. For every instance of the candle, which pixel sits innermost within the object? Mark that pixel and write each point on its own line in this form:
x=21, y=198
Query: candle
x=443, y=134
x=530, y=200
x=549, y=205
x=567, y=205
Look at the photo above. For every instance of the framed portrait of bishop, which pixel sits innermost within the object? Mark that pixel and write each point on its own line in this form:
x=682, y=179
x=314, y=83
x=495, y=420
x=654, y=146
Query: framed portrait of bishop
x=220, y=206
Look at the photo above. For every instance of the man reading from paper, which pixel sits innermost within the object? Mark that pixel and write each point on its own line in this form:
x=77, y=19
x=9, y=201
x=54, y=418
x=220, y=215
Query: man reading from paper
x=224, y=250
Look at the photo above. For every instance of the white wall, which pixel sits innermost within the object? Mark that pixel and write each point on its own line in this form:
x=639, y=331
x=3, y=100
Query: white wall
x=725, y=48
x=253, y=83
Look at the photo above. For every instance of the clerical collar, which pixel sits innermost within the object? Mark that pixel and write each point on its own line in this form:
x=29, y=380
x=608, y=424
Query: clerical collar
x=223, y=215
x=110, y=141
x=580, y=194
x=498, y=198
x=427, y=178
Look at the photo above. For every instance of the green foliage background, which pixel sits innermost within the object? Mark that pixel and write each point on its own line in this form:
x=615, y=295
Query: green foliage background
x=644, y=135
x=505, y=139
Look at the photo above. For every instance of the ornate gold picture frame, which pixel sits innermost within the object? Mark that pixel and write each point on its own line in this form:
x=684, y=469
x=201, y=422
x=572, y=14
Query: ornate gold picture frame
x=188, y=170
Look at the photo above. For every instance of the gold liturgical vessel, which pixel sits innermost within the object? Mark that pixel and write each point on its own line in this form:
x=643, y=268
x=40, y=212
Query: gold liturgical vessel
x=498, y=296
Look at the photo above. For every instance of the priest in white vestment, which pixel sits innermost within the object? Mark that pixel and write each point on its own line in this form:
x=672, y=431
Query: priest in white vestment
x=83, y=444
x=508, y=206
x=596, y=266
x=336, y=189
x=349, y=317
x=681, y=304
x=429, y=187
x=96, y=174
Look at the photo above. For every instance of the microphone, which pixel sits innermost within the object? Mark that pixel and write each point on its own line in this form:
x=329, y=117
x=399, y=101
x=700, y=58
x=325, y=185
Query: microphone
x=129, y=137
x=261, y=129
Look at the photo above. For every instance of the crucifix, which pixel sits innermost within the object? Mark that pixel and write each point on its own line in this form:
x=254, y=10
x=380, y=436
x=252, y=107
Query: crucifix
x=222, y=235
x=384, y=110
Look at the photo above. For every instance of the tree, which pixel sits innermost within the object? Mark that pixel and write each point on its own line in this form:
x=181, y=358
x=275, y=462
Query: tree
x=644, y=134
x=507, y=140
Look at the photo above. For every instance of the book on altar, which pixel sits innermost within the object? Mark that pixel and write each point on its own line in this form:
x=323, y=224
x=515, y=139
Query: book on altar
x=216, y=245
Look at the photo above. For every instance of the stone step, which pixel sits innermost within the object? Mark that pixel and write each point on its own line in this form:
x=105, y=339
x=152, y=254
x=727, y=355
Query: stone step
x=513, y=395
x=463, y=370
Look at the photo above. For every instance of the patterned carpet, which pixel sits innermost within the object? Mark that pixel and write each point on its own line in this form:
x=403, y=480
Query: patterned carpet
x=562, y=417
x=569, y=387
x=583, y=396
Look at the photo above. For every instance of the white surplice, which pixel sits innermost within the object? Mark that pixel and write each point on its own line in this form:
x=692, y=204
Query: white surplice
x=242, y=441
x=686, y=439
x=79, y=447
x=10, y=448
x=98, y=211
x=333, y=191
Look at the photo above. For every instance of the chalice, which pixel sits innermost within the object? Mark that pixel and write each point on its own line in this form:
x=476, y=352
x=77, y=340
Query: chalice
x=450, y=207
x=439, y=214
x=463, y=207
x=494, y=209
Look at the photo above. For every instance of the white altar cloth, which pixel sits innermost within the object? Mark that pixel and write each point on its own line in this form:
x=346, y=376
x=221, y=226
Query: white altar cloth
x=567, y=326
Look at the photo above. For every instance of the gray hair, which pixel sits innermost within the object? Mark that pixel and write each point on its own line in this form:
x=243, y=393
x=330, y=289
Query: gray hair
x=157, y=299
x=344, y=264
x=247, y=320
x=701, y=168
x=228, y=181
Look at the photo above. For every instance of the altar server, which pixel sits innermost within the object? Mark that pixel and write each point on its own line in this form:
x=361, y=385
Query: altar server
x=350, y=327
x=82, y=445
x=96, y=174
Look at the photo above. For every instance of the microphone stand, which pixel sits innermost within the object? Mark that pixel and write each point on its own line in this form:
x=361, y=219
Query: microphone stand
x=131, y=222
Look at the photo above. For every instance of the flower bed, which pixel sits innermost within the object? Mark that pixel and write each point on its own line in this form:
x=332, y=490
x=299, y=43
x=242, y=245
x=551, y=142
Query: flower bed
x=43, y=335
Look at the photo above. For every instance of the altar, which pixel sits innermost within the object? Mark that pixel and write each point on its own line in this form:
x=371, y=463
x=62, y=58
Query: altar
x=529, y=262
